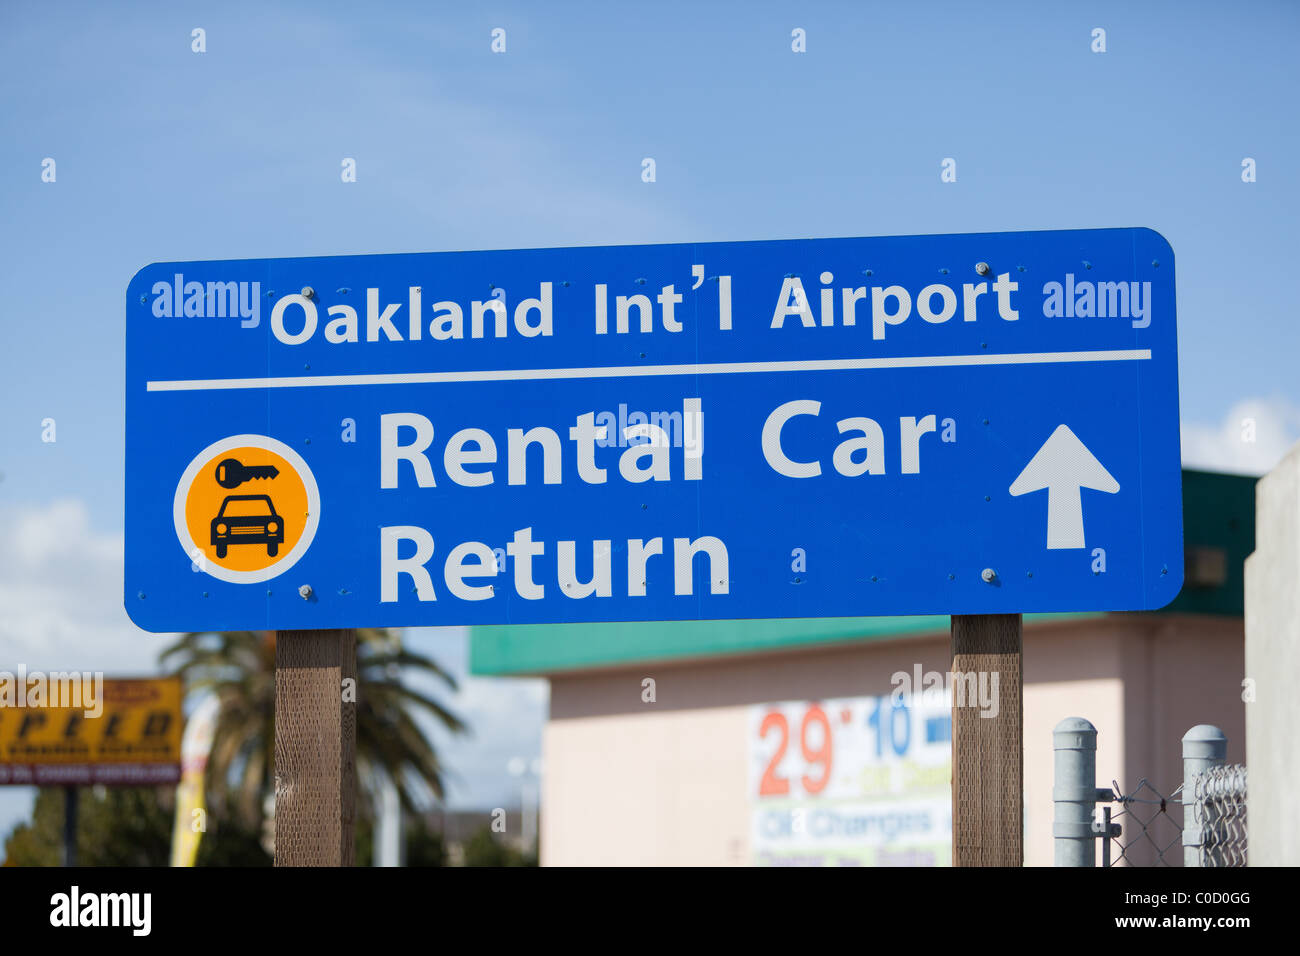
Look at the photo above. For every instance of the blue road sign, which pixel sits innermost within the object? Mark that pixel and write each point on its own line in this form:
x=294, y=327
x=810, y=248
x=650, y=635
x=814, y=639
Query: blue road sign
x=929, y=424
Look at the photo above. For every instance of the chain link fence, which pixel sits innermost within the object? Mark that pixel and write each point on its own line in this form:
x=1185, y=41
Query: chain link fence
x=1218, y=808
x=1201, y=823
x=1148, y=833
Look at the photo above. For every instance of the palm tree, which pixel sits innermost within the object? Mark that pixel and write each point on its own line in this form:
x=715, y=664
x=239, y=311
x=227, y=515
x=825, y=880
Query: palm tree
x=239, y=666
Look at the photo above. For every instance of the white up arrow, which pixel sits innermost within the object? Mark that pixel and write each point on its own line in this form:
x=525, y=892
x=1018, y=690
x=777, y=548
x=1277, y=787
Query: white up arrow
x=1063, y=466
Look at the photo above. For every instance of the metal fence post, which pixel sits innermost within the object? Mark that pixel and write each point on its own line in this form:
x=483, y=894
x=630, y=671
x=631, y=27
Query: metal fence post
x=1204, y=746
x=1074, y=792
x=1108, y=830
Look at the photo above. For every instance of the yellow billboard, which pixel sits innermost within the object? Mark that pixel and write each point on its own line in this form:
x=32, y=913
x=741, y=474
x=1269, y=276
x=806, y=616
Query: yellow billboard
x=81, y=729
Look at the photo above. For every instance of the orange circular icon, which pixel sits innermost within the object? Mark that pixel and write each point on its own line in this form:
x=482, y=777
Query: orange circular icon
x=246, y=508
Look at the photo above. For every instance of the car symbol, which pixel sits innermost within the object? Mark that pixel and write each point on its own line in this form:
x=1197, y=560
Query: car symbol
x=247, y=519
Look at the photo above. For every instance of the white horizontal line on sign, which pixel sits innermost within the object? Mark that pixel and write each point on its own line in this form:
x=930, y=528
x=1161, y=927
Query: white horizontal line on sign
x=631, y=371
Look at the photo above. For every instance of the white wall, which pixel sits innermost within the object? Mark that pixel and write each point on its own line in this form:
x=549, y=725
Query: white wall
x=1273, y=663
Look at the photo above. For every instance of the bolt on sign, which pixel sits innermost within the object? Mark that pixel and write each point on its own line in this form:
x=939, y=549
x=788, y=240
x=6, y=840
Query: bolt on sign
x=80, y=729
x=965, y=424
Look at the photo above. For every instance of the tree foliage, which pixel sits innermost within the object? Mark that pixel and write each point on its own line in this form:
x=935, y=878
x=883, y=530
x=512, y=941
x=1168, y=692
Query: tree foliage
x=123, y=826
x=239, y=666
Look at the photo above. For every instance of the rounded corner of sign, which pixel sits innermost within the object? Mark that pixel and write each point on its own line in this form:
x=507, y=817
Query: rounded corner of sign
x=139, y=617
x=139, y=273
x=1167, y=250
x=1171, y=587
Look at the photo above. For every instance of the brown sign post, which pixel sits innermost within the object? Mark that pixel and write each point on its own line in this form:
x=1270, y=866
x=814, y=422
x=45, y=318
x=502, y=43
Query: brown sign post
x=988, y=751
x=315, y=747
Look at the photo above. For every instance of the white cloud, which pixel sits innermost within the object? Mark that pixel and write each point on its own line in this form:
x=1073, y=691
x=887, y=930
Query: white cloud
x=61, y=607
x=61, y=591
x=1253, y=436
x=505, y=716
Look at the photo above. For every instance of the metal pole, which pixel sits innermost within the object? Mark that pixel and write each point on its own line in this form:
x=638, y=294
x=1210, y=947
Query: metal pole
x=987, y=745
x=1074, y=792
x=70, y=826
x=1204, y=746
x=388, y=828
x=315, y=748
x=1105, y=835
x=389, y=848
x=528, y=826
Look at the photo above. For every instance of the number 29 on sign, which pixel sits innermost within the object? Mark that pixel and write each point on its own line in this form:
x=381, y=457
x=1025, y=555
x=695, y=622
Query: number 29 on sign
x=828, y=745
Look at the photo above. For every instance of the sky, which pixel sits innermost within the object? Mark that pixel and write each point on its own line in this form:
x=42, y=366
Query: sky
x=162, y=153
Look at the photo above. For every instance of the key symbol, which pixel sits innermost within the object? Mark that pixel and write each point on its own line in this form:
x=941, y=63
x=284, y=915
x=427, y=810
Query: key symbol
x=231, y=472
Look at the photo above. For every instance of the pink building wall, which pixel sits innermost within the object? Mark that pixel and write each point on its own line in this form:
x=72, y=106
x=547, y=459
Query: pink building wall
x=667, y=783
